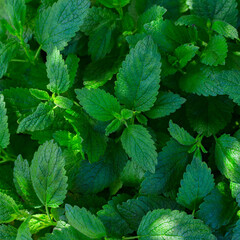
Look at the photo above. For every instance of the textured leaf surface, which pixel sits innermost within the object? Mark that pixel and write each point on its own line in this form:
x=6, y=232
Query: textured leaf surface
x=172, y=162
x=98, y=103
x=165, y=224
x=197, y=183
x=23, y=182
x=138, y=80
x=215, y=52
x=209, y=115
x=8, y=232
x=218, y=208
x=24, y=231
x=8, y=209
x=56, y=25
x=85, y=222
x=48, y=175
x=225, y=29
x=180, y=134
x=4, y=132
x=227, y=155
x=39, y=120
x=236, y=231
x=57, y=72
x=138, y=144
x=114, y=3
x=166, y=103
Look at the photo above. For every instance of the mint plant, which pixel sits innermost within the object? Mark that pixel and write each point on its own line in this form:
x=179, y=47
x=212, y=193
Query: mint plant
x=119, y=119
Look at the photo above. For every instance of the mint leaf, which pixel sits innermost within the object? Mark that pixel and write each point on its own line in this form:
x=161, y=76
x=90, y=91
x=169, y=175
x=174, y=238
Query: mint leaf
x=191, y=20
x=56, y=25
x=181, y=135
x=114, y=3
x=218, y=208
x=98, y=103
x=72, y=65
x=48, y=175
x=57, y=72
x=225, y=29
x=23, y=183
x=172, y=224
x=85, y=222
x=166, y=103
x=4, y=132
x=113, y=126
x=39, y=120
x=138, y=80
x=39, y=94
x=24, y=231
x=138, y=144
x=197, y=183
x=236, y=231
x=9, y=210
x=8, y=232
x=63, y=102
x=227, y=153
x=215, y=52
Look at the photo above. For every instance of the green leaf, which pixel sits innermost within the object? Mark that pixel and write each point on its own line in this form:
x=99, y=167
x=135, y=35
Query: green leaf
x=9, y=210
x=48, y=175
x=216, y=51
x=197, y=183
x=180, y=134
x=38, y=120
x=64, y=231
x=185, y=53
x=138, y=144
x=172, y=162
x=8, y=232
x=138, y=80
x=57, y=72
x=165, y=224
x=16, y=11
x=39, y=222
x=218, y=208
x=85, y=222
x=236, y=231
x=114, y=3
x=208, y=115
x=56, y=25
x=227, y=155
x=126, y=114
x=225, y=29
x=98, y=104
x=23, y=183
x=215, y=9
x=235, y=189
x=4, y=132
x=113, y=126
x=192, y=20
x=63, y=102
x=24, y=231
x=39, y=94
x=7, y=51
x=167, y=103
x=72, y=65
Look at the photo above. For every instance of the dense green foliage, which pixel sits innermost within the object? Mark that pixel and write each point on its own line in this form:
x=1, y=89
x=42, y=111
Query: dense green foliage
x=119, y=119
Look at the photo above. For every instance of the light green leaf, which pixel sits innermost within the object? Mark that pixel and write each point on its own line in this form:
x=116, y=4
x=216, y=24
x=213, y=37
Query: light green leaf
x=215, y=9
x=39, y=120
x=190, y=20
x=16, y=12
x=9, y=210
x=98, y=104
x=167, y=224
x=235, y=189
x=56, y=25
x=225, y=29
x=48, y=175
x=185, y=53
x=113, y=126
x=172, y=162
x=85, y=222
x=23, y=183
x=208, y=115
x=138, y=144
x=227, y=155
x=4, y=132
x=218, y=208
x=8, y=232
x=138, y=80
x=197, y=183
x=24, y=231
x=63, y=102
x=180, y=134
x=167, y=103
x=39, y=222
x=57, y=72
x=39, y=94
x=216, y=51
x=114, y=3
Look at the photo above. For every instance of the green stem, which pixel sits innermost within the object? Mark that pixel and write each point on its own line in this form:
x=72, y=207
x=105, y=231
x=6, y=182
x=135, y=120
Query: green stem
x=18, y=60
x=37, y=53
x=135, y=237
x=47, y=211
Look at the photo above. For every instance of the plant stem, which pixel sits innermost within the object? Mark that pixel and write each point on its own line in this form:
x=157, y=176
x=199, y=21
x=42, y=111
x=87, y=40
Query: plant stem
x=47, y=211
x=37, y=53
x=135, y=237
